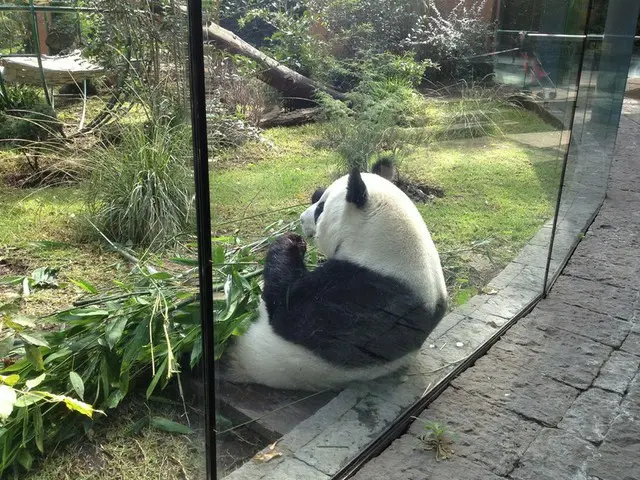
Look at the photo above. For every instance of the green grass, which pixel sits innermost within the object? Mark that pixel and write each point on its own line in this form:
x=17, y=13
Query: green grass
x=44, y=228
x=112, y=452
x=498, y=191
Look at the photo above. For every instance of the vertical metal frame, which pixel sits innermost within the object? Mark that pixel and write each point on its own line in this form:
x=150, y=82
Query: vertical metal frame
x=203, y=214
x=546, y=284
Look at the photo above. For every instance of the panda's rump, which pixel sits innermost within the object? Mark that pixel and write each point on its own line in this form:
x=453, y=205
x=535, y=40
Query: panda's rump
x=353, y=317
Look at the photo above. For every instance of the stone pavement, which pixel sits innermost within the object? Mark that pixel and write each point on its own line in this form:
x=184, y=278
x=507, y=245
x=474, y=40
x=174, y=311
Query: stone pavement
x=558, y=396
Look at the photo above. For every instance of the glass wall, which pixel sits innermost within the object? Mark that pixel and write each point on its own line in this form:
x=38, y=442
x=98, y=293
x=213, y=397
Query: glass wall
x=495, y=119
x=383, y=188
x=100, y=344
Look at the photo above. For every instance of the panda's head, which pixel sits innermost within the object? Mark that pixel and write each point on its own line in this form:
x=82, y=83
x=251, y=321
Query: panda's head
x=365, y=219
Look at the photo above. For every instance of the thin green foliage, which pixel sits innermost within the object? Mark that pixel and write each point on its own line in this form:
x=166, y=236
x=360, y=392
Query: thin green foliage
x=135, y=335
x=140, y=190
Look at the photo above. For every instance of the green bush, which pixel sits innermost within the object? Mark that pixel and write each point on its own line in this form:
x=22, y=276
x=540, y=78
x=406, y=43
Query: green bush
x=140, y=190
x=20, y=97
x=374, y=122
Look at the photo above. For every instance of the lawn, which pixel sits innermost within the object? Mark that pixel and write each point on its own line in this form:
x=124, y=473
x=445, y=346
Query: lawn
x=497, y=193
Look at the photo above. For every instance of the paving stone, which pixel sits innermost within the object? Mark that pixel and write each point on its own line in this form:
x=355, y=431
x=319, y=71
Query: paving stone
x=404, y=459
x=509, y=302
x=294, y=469
x=610, y=273
x=564, y=356
x=407, y=459
x=534, y=255
x=327, y=415
x=599, y=327
x=554, y=455
x=462, y=340
x=618, y=457
x=625, y=431
x=591, y=414
x=483, y=433
x=529, y=393
x=492, y=320
x=448, y=322
x=617, y=372
x=345, y=438
x=631, y=402
x=506, y=276
x=594, y=296
x=614, y=463
x=632, y=343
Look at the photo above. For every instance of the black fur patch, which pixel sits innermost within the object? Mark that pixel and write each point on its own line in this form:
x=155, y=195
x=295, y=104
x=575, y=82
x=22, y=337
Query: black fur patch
x=356, y=189
x=385, y=167
x=318, y=211
x=344, y=313
x=317, y=195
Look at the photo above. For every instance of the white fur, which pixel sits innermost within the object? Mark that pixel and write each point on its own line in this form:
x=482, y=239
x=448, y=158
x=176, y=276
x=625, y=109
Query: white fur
x=388, y=236
x=261, y=356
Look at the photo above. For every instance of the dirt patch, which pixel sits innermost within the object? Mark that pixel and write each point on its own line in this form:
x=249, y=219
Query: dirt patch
x=419, y=192
x=11, y=267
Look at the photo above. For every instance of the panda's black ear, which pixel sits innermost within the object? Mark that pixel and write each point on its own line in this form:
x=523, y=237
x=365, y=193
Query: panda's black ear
x=356, y=189
x=317, y=195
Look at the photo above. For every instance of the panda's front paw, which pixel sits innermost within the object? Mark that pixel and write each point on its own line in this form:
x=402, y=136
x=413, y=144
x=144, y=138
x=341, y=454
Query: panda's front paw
x=289, y=245
x=293, y=242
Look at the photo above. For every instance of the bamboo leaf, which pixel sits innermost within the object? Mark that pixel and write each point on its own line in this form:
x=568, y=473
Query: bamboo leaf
x=84, y=285
x=6, y=345
x=11, y=280
x=33, y=339
x=25, y=459
x=78, y=406
x=34, y=382
x=157, y=377
x=45, y=277
x=170, y=426
x=38, y=427
x=34, y=356
x=196, y=352
x=27, y=399
x=10, y=380
x=114, y=399
x=114, y=330
x=161, y=276
x=7, y=400
x=139, y=425
x=77, y=384
x=89, y=312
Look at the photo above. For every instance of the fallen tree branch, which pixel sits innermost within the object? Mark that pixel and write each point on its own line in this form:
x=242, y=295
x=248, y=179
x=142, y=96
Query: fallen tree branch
x=289, y=82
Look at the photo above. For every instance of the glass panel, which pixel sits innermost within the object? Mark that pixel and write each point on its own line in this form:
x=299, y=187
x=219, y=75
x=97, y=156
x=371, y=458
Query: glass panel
x=469, y=123
x=602, y=88
x=98, y=278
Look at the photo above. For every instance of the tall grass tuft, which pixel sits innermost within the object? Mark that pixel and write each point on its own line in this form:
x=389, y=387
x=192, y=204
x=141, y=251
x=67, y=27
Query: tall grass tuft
x=141, y=189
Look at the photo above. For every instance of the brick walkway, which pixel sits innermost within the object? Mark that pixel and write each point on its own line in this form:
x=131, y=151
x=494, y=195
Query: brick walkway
x=558, y=397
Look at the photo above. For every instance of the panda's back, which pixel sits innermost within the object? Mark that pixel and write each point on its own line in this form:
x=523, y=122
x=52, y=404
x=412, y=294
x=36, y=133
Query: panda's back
x=351, y=316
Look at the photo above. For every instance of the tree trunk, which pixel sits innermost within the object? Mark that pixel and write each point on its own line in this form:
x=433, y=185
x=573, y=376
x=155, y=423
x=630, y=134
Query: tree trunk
x=289, y=82
x=288, y=119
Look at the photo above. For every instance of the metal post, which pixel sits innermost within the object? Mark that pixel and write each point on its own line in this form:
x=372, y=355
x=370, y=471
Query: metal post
x=203, y=214
x=36, y=40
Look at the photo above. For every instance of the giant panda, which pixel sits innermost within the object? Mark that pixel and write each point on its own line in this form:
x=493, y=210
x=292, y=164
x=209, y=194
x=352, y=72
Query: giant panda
x=361, y=314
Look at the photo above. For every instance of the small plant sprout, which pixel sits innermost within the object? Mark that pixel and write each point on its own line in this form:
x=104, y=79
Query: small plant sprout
x=438, y=438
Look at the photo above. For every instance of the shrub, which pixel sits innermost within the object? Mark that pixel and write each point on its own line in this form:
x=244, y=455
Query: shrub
x=140, y=191
x=374, y=121
x=450, y=40
x=20, y=97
